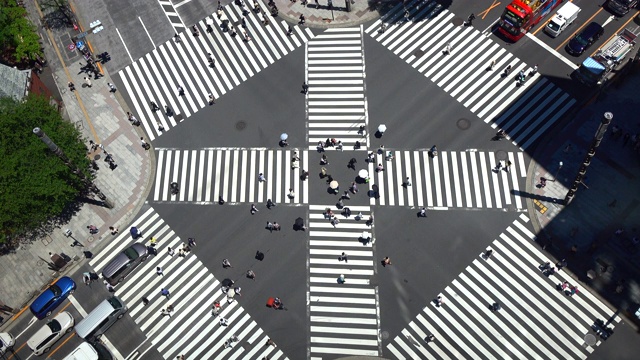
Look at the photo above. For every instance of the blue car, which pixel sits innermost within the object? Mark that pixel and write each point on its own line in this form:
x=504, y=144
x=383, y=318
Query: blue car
x=44, y=304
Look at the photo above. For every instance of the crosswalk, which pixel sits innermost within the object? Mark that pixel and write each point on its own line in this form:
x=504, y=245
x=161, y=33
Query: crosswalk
x=344, y=317
x=205, y=175
x=536, y=321
x=191, y=330
x=465, y=72
x=156, y=76
x=336, y=102
x=460, y=179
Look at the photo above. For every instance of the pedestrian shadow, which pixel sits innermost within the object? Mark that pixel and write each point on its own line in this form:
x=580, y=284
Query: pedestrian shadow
x=536, y=197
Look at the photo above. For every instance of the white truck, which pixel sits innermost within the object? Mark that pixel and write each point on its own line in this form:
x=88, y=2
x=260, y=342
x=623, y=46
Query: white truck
x=562, y=19
x=600, y=68
x=7, y=341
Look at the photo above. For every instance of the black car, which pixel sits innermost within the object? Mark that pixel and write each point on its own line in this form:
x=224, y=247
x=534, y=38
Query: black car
x=584, y=39
x=621, y=7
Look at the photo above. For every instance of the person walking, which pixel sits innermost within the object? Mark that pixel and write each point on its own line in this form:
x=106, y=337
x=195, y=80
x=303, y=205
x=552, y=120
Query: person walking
x=212, y=99
x=344, y=257
x=192, y=242
x=386, y=261
x=87, y=82
x=164, y=292
x=226, y=264
x=291, y=194
x=423, y=212
x=159, y=271
x=379, y=168
x=170, y=251
x=353, y=187
x=180, y=91
x=289, y=30
x=254, y=209
x=305, y=88
x=261, y=178
x=251, y=275
x=492, y=64
x=109, y=287
x=407, y=182
x=160, y=126
x=507, y=165
x=114, y=230
x=470, y=19
x=507, y=70
x=144, y=144
x=302, y=20
x=72, y=86
x=447, y=49
x=112, y=88
x=352, y=164
x=346, y=195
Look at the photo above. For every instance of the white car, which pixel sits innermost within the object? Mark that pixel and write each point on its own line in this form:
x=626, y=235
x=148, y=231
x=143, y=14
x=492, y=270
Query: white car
x=53, y=331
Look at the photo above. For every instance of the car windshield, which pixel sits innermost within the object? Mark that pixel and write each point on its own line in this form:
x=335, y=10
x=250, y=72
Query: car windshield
x=581, y=40
x=56, y=290
x=55, y=326
x=115, y=303
x=131, y=253
x=553, y=26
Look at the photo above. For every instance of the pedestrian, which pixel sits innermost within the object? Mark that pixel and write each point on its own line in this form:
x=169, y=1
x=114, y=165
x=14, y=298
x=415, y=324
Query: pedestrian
x=212, y=99
x=346, y=195
x=562, y=263
x=335, y=221
x=324, y=160
x=305, y=90
x=247, y=38
x=164, y=292
x=168, y=111
x=145, y=301
x=270, y=226
x=492, y=64
x=340, y=204
x=114, y=230
x=406, y=182
x=341, y=279
x=112, y=88
x=109, y=286
x=343, y=257
x=269, y=341
x=430, y=338
x=291, y=194
x=254, y=209
x=352, y=164
x=192, y=242
x=92, y=229
x=353, y=187
x=507, y=70
x=224, y=322
x=144, y=144
x=72, y=86
x=276, y=226
x=289, y=30
x=386, y=261
x=226, y=264
x=180, y=91
x=447, y=49
x=261, y=178
x=160, y=126
x=317, y=4
x=251, y=275
x=370, y=220
x=406, y=14
x=470, y=19
x=176, y=38
x=507, y=165
x=211, y=60
x=339, y=146
x=498, y=166
x=439, y=300
x=382, y=29
x=379, y=168
x=423, y=212
x=170, y=251
x=534, y=70
x=87, y=82
x=302, y=20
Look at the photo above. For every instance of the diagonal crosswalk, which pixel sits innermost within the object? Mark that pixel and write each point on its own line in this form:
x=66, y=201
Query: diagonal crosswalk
x=191, y=329
x=460, y=179
x=466, y=74
x=536, y=320
x=205, y=175
x=156, y=76
x=344, y=317
x=336, y=102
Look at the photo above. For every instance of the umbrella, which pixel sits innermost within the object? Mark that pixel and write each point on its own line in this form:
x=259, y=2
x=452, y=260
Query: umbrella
x=135, y=232
x=382, y=128
x=209, y=21
x=299, y=222
x=363, y=173
x=333, y=185
x=284, y=136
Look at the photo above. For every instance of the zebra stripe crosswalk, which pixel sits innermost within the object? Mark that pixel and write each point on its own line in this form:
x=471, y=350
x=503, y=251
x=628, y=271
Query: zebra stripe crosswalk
x=344, y=317
x=536, y=320
x=191, y=328
x=205, y=175
x=466, y=73
x=460, y=179
x=156, y=76
x=336, y=101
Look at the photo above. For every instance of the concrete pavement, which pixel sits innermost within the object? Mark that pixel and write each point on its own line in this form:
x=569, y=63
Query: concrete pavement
x=583, y=232
x=98, y=114
x=320, y=15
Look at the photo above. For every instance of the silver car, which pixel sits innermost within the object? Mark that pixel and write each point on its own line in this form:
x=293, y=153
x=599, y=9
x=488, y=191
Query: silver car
x=51, y=332
x=124, y=263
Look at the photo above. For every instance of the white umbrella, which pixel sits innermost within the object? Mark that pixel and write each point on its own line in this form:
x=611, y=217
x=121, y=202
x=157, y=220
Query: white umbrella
x=333, y=185
x=363, y=173
x=382, y=128
x=209, y=21
x=284, y=136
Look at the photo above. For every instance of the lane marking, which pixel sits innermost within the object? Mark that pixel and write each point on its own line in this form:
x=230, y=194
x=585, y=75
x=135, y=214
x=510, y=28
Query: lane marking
x=125, y=45
x=580, y=28
x=147, y=31
x=552, y=51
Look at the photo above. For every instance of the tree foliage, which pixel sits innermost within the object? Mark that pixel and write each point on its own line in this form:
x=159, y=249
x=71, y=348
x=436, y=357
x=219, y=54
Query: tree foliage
x=36, y=187
x=18, y=36
x=57, y=14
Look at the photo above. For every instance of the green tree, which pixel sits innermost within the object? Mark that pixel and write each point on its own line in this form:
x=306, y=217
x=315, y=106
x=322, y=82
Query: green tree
x=18, y=36
x=37, y=189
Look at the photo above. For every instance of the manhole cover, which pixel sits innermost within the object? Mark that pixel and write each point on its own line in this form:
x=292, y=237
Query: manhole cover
x=501, y=155
x=418, y=53
x=463, y=124
x=456, y=21
x=384, y=335
x=241, y=125
x=590, y=340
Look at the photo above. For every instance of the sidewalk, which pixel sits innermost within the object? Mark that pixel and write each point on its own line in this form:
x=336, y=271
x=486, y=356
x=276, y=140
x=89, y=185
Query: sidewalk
x=323, y=17
x=608, y=200
x=99, y=116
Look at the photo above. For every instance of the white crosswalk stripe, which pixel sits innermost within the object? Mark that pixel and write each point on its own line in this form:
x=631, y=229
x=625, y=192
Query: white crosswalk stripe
x=205, y=175
x=536, y=320
x=156, y=76
x=343, y=316
x=460, y=179
x=465, y=73
x=191, y=329
x=336, y=102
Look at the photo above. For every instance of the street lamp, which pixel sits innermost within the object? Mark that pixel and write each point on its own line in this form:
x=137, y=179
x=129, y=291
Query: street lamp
x=557, y=171
x=597, y=139
x=59, y=153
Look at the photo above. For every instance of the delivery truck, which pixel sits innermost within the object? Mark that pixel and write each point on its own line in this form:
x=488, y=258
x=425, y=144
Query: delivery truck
x=562, y=19
x=599, y=68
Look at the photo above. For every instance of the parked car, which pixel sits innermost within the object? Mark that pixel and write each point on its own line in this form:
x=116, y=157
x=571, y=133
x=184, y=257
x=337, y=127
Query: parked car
x=55, y=294
x=124, y=263
x=585, y=38
x=52, y=331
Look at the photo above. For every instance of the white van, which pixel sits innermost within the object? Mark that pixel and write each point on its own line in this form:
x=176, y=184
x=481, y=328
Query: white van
x=101, y=318
x=7, y=341
x=86, y=351
x=567, y=14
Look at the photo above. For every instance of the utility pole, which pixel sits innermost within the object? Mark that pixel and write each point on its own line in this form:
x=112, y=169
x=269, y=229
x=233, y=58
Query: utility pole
x=555, y=177
x=602, y=129
x=59, y=153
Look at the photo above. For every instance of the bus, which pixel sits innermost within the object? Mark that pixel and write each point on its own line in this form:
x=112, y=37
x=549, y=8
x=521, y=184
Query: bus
x=521, y=16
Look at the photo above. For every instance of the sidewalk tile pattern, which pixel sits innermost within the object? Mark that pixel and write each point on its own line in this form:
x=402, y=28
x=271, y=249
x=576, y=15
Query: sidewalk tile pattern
x=336, y=103
x=156, y=76
x=466, y=74
x=535, y=320
x=192, y=328
x=204, y=175
x=460, y=179
x=344, y=317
